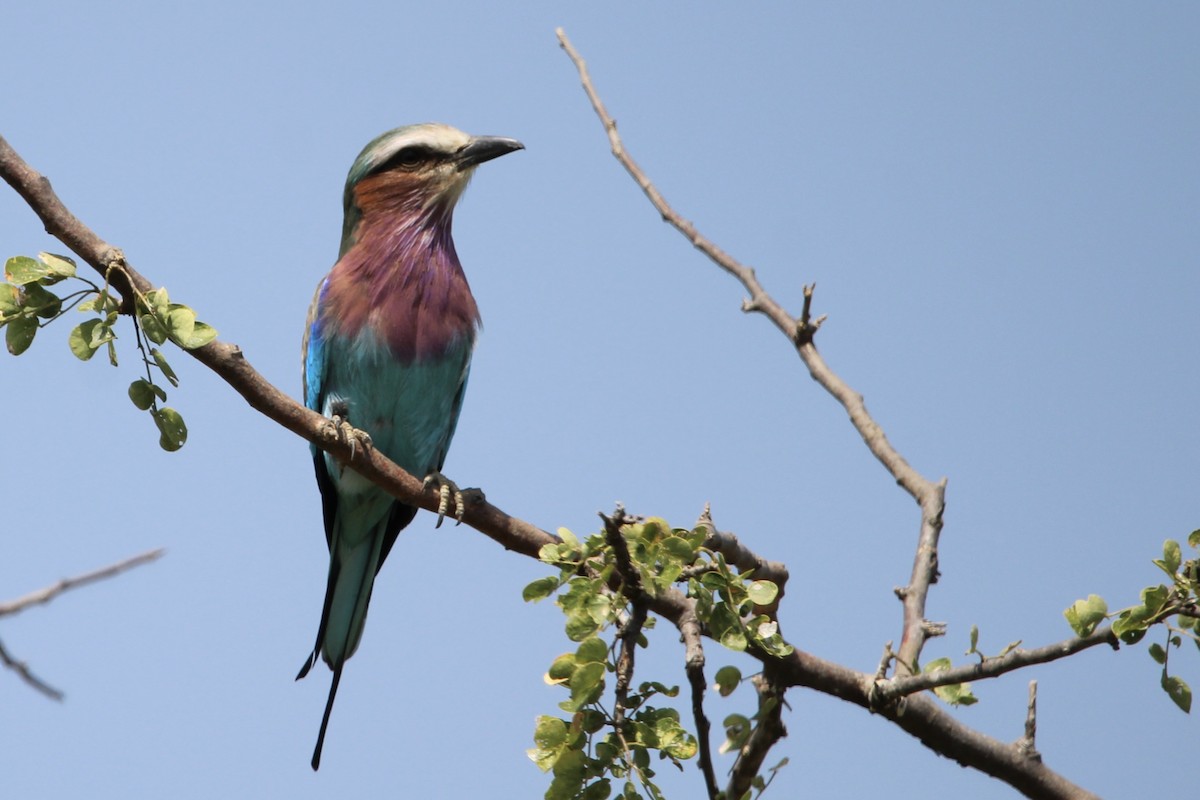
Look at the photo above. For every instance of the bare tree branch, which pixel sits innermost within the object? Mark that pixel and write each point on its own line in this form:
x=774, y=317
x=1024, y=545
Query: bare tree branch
x=1028, y=742
x=690, y=633
x=42, y=596
x=48, y=593
x=22, y=670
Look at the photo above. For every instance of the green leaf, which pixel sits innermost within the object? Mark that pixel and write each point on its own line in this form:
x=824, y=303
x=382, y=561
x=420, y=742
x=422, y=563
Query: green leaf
x=170, y=425
x=1194, y=538
x=737, y=730
x=592, y=650
x=1171, y=559
x=153, y=329
x=727, y=679
x=568, y=538
x=1155, y=598
x=587, y=684
x=587, y=678
x=1085, y=615
x=561, y=669
x=762, y=593
x=180, y=322
x=59, y=266
x=158, y=301
x=142, y=392
x=202, y=334
x=679, y=549
x=23, y=270
x=1008, y=648
x=974, y=640
x=1157, y=653
x=80, y=340
x=163, y=366
x=1179, y=692
x=727, y=628
x=43, y=302
x=937, y=665
x=537, y=590
x=19, y=333
x=956, y=694
x=549, y=732
x=599, y=790
x=10, y=299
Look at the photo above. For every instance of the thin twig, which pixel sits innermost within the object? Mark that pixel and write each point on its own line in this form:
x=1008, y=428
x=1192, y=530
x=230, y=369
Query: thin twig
x=22, y=670
x=1027, y=744
x=47, y=594
x=888, y=691
x=66, y=584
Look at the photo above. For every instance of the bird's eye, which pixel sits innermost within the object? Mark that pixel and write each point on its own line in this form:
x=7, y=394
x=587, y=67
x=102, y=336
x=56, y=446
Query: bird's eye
x=408, y=158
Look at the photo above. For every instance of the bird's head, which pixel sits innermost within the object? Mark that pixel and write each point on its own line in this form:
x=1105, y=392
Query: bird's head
x=416, y=174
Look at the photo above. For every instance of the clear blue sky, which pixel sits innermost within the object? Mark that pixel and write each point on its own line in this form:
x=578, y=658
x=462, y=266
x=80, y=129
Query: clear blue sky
x=998, y=202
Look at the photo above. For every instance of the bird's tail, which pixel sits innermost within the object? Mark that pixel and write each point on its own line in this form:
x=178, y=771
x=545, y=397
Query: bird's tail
x=352, y=568
x=333, y=687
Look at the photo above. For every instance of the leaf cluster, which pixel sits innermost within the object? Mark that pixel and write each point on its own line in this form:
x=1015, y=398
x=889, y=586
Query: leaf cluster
x=599, y=746
x=1174, y=606
x=27, y=305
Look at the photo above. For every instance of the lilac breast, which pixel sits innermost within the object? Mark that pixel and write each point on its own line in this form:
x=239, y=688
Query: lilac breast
x=407, y=286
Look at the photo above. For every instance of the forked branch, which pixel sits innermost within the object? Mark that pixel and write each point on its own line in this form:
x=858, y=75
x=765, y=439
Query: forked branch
x=920, y=717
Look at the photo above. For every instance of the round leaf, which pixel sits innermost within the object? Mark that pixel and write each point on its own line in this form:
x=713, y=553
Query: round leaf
x=19, y=333
x=762, y=593
x=170, y=425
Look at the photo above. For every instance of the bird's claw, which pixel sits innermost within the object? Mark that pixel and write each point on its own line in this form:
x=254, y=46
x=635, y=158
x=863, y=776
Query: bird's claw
x=448, y=494
x=338, y=429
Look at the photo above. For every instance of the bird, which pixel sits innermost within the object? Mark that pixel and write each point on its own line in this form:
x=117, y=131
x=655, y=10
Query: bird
x=386, y=353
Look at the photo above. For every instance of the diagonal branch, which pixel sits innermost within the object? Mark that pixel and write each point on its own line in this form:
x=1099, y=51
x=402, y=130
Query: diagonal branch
x=800, y=331
x=22, y=669
x=230, y=363
x=45, y=595
x=888, y=691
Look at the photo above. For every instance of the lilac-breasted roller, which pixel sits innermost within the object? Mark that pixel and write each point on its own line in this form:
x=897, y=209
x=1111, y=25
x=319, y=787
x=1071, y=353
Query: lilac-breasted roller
x=387, y=349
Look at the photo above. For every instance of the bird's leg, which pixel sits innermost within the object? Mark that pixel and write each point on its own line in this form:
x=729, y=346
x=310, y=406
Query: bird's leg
x=448, y=493
x=339, y=428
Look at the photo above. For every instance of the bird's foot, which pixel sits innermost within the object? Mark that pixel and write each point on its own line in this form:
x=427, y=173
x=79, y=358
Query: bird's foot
x=449, y=495
x=338, y=429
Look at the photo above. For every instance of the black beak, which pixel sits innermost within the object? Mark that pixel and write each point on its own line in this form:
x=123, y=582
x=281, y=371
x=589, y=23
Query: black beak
x=485, y=148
